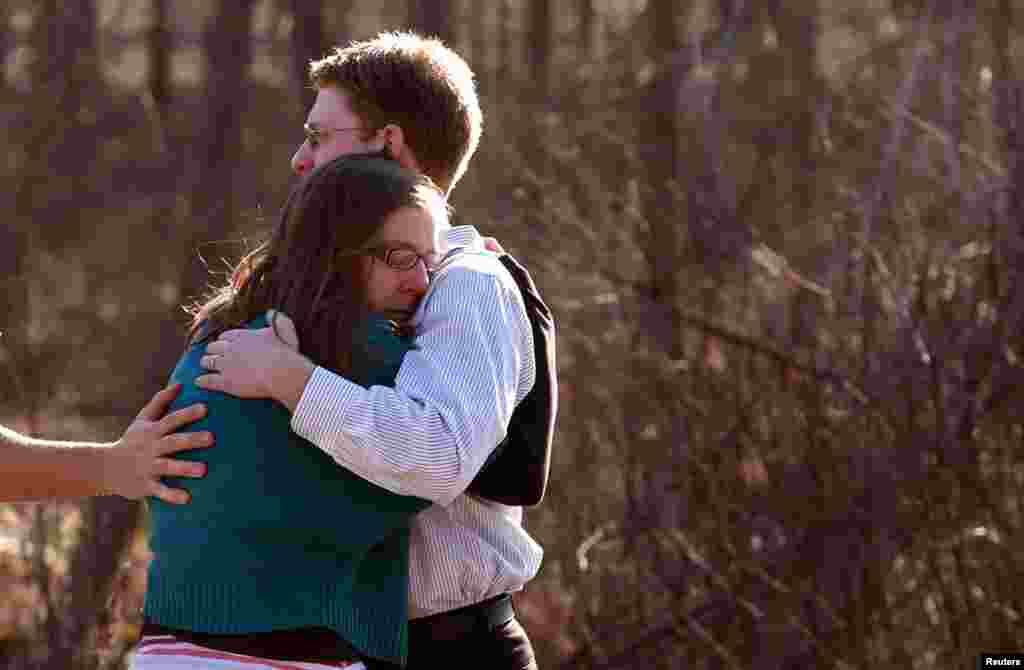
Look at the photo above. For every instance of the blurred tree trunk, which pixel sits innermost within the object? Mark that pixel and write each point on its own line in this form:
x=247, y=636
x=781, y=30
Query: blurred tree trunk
x=159, y=46
x=76, y=60
x=1009, y=104
x=539, y=47
x=1009, y=122
x=784, y=68
x=14, y=252
x=6, y=40
x=13, y=245
x=309, y=43
x=957, y=61
x=534, y=137
x=74, y=66
x=228, y=51
x=587, y=24
x=59, y=128
x=797, y=140
x=481, y=45
x=158, y=55
x=798, y=27
x=108, y=525
x=504, y=67
x=660, y=138
x=434, y=18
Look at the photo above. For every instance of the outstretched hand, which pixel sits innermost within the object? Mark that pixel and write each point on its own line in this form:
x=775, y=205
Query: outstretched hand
x=257, y=363
x=136, y=462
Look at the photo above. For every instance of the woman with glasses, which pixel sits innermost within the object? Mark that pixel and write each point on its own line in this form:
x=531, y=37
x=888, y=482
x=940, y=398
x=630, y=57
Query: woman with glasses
x=282, y=559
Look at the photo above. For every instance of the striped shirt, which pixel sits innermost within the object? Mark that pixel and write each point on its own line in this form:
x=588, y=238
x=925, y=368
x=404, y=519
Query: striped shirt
x=430, y=434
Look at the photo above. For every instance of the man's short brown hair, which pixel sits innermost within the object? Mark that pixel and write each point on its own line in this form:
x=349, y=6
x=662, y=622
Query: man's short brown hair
x=418, y=84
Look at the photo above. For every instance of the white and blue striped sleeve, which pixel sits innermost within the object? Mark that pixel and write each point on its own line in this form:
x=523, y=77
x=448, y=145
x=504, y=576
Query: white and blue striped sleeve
x=453, y=397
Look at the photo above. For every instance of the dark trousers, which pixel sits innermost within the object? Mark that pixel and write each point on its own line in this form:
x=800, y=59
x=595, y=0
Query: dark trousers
x=504, y=647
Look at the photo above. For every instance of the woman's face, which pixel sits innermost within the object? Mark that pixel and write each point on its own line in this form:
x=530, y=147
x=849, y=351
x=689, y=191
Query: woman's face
x=393, y=292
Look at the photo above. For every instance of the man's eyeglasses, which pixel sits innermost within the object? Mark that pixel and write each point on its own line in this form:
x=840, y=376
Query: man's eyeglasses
x=316, y=134
x=400, y=258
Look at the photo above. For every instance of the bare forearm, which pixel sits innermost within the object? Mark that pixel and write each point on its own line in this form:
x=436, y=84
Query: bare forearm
x=10, y=438
x=32, y=469
x=132, y=467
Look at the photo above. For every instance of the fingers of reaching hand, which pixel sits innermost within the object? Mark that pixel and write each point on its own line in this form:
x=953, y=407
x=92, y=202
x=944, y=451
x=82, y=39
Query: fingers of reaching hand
x=181, y=418
x=169, y=495
x=159, y=403
x=185, y=441
x=170, y=467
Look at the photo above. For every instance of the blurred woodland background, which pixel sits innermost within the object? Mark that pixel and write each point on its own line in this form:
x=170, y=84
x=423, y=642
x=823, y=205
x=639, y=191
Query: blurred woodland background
x=784, y=244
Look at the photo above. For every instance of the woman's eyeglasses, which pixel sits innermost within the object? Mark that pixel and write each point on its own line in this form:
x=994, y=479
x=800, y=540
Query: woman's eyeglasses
x=400, y=258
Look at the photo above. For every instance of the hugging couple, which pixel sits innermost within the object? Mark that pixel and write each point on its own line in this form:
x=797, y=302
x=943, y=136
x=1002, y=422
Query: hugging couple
x=358, y=371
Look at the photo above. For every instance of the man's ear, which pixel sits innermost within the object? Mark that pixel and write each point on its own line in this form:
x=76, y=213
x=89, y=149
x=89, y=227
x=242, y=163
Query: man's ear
x=395, y=145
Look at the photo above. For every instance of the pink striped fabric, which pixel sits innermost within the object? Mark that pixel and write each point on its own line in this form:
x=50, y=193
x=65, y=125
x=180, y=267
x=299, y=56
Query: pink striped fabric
x=164, y=652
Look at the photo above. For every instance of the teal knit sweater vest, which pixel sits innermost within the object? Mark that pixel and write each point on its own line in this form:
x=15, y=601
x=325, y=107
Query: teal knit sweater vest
x=277, y=536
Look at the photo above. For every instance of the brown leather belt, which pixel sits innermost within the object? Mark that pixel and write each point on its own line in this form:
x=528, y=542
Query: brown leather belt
x=456, y=624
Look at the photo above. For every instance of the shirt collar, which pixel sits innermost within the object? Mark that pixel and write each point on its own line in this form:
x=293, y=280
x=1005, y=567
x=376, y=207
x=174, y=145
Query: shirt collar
x=462, y=236
x=455, y=237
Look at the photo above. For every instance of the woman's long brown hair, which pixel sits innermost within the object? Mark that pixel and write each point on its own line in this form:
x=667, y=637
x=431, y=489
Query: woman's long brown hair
x=301, y=269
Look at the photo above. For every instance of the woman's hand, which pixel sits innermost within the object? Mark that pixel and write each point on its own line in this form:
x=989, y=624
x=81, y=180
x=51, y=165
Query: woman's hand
x=258, y=364
x=133, y=465
x=492, y=245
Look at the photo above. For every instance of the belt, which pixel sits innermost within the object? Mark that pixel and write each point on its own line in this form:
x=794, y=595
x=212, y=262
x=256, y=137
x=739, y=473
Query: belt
x=448, y=626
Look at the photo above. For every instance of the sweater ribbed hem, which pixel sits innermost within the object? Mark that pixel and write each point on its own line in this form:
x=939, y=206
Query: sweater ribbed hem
x=254, y=605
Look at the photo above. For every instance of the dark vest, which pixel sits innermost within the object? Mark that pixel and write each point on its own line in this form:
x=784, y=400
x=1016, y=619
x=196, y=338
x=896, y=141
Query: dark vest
x=516, y=472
